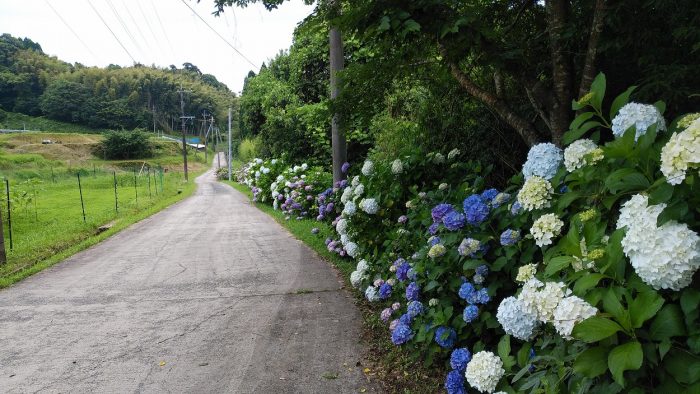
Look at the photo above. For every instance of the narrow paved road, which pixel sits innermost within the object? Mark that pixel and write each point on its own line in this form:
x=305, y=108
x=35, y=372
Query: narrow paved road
x=207, y=296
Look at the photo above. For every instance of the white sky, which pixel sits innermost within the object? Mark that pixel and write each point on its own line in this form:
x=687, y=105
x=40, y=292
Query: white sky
x=254, y=31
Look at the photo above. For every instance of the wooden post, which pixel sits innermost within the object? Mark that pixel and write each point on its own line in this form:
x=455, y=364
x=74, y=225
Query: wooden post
x=82, y=203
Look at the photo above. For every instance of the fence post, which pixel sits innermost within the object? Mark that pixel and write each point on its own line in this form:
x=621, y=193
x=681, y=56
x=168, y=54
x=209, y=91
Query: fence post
x=9, y=211
x=161, y=180
x=116, y=199
x=149, y=181
x=136, y=188
x=53, y=176
x=94, y=171
x=82, y=204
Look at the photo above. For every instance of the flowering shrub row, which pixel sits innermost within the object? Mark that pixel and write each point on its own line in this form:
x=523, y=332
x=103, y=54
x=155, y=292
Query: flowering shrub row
x=578, y=277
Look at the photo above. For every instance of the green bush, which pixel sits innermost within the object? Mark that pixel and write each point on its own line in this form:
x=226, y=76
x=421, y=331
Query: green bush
x=248, y=149
x=126, y=145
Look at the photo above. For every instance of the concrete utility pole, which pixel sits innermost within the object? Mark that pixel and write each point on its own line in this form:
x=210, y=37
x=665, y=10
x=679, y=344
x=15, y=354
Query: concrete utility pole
x=228, y=161
x=183, y=118
x=337, y=131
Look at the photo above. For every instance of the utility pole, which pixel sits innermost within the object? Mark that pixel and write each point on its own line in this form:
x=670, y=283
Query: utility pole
x=337, y=132
x=228, y=161
x=154, y=118
x=3, y=254
x=184, y=118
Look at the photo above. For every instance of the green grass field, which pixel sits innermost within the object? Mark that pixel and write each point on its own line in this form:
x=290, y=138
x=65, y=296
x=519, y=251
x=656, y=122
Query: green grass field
x=46, y=211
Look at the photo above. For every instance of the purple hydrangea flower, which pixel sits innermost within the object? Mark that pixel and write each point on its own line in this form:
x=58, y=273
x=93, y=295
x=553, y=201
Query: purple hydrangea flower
x=460, y=358
x=386, y=314
x=433, y=241
x=475, y=209
x=412, y=291
x=445, y=337
x=314, y=230
x=402, y=271
x=433, y=229
x=471, y=312
x=345, y=167
x=406, y=319
x=482, y=270
x=329, y=207
x=401, y=334
x=403, y=219
x=385, y=291
x=515, y=208
x=440, y=210
x=453, y=220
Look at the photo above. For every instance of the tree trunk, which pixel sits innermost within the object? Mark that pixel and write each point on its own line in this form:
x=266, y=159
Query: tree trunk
x=524, y=128
x=339, y=144
x=560, y=116
x=589, y=69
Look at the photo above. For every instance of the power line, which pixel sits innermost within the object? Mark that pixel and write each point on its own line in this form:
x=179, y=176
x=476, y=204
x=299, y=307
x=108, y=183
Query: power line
x=126, y=29
x=172, y=51
x=153, y=34
x=138, y=29
x=219, y=35
x=110, y=30
x=72, y=31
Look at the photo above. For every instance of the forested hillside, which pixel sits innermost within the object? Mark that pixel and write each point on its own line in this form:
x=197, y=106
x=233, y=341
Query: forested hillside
x=115, y=97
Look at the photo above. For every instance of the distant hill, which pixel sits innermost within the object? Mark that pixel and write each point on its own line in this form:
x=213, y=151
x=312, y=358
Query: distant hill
x=33, y=83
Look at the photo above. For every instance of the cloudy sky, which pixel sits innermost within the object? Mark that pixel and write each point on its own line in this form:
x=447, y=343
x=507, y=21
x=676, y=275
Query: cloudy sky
x=160, y=32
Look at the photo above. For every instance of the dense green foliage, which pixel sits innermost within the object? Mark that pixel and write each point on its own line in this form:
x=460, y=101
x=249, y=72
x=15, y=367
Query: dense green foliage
x=115, y=97
x=126, y=145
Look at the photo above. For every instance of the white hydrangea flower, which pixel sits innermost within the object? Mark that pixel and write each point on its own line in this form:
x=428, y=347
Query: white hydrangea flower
x=258, y=161
x=517, y=319
x=569, y=312
x=443, y=186
x=545, y=228
x=355, y=181
x=528, y=294
x=275, y=194
x=356, y=278
x=257, y=174
x=362, y=266
x=641, y=116
x=484, y=371
x=273, y=161
x=438, y=158
x=351, y=248
x=275, y=204
x=681, y=152
x=372, y=294
x=344, y=239
x=526, y=272
x=436, y=251
x=280, y=178
x=368, y=168
x=581, y=153
x=433, y=302
x=347, y=195
x=369, y=206
x=453, y=154
x=349, y=209
x=396, y=167
x=304, y=166
x=342, y=226
x=536, y=193
x=359, y=190
x=547, y=299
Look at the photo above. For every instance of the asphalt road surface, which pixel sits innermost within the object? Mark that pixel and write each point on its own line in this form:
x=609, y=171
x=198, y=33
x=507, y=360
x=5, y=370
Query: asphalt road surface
x=208, y=296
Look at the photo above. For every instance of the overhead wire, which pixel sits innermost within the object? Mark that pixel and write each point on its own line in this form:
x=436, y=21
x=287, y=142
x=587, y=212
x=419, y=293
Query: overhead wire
x=160, y=22
x=72, y=31
x=111, y=31
x=153, y=34
x=219, y=35
x=125, y=27
x=138, y=29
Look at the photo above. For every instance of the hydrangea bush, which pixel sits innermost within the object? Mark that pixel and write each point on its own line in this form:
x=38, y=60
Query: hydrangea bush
x=578, y=277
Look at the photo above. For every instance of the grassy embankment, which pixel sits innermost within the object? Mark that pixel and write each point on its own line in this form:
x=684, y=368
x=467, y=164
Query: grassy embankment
x=47, y=218
x=391, y=365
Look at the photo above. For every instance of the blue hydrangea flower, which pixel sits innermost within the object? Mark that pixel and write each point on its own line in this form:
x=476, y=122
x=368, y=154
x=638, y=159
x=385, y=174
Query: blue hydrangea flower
x=478, y=279
x=440, y=210
x=412, y=275
x=481, y=297
x=543, y=160
x=415, y=308
x=445, y=337
x=469, y=247
x=510, y=237
x=500, y=199
x=401, y=334
x=406, y=319
x=466, y=291
x=460, y=358
x=515, y=208
x=471, y=312
x=433, y=241
x=482, y=270
x=412, y=291
x=489, y=194
x=454, y=384
x=563, y=189
x=402, y=271
x=385, y=291
x=475, y=209
x=345, y=167
x=453, y=220
x=433, y=229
